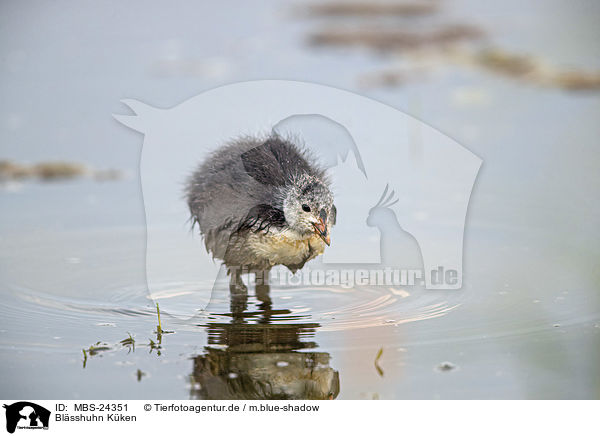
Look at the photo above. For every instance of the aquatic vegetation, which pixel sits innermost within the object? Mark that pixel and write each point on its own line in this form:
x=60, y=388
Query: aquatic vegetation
x=529, y=68
x=377, y=357
x=53, y=171
x=155, y=345
x=58, y=170
x=128, y=342
x=93, y=350
x=503, y=62
x=13, y=171
x=159, y=330
x=446, y=366
x=577, y=80
x=393, y=39
x=368, y=9
x=460, y=44
x=97, y=348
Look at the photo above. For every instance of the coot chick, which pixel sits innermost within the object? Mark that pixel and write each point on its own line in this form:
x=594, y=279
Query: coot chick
x=261, y=203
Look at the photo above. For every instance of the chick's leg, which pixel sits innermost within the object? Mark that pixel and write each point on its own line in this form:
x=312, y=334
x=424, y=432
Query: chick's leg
x=238, y=292
x=263, y=288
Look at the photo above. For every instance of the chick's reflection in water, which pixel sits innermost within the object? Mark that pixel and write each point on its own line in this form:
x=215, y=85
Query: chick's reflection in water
x=262, y=360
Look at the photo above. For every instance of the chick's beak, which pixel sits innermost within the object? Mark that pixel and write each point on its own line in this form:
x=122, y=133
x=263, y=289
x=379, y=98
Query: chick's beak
x=321, y=230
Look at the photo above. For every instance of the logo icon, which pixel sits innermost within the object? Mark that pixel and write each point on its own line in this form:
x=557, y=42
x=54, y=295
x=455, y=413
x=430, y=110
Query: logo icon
x=422, y=178
x=26, y=415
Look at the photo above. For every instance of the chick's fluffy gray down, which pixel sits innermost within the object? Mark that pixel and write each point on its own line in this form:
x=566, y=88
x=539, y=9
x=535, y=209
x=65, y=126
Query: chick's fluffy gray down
x=238, y=193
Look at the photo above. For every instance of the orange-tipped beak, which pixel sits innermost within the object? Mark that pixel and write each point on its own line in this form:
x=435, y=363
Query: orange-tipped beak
x=321, y=230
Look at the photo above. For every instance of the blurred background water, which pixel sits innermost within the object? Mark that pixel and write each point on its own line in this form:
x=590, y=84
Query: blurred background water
x=516, y=83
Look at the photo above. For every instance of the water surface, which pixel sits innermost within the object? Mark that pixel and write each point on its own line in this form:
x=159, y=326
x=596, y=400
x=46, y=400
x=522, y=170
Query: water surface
x=525, y=325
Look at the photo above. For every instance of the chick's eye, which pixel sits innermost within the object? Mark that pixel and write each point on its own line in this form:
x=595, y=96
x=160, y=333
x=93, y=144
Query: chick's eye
x=305, y=208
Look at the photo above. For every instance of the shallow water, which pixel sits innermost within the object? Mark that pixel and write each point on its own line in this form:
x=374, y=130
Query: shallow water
x=528, y=335
x=526, y=323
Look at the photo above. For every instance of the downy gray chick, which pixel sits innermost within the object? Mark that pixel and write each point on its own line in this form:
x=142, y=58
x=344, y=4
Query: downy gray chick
x=261, y=203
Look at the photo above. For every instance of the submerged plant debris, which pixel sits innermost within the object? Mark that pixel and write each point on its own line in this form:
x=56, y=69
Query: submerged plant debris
x=360, y=24
x=377, y=357
x=129, y=342
x=159, y=329
x=393, y=39
x=533, y=70
x=446, y=366
x=93, y=350
x=53, y=171
x=369, y=9
x=97, y=348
